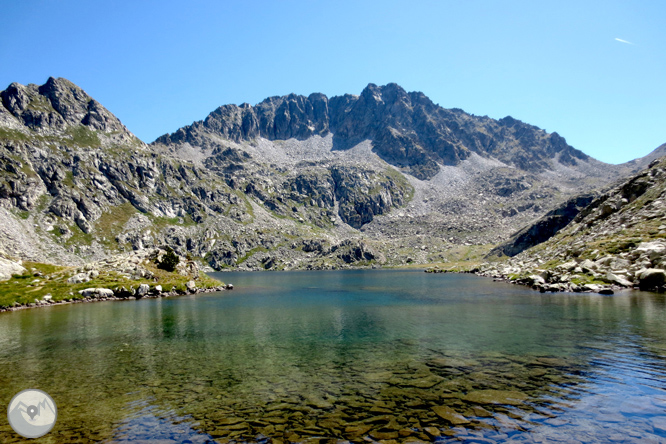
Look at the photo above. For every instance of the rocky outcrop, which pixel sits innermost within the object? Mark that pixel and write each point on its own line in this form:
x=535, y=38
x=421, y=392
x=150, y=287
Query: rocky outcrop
x=362, y=195
x=9, y=266
x=357, y=251
x=276, y=118
x=617, y=241
x=57, y=106
x=407, y=130
x=544, y=228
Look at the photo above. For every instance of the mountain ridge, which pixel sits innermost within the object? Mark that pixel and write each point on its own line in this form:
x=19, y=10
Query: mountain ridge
x=382, y=178
x=407, y=129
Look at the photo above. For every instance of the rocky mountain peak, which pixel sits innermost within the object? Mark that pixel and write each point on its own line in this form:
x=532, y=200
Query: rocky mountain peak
x=389, y=94
x=67, y=99
x=292, y=182
x=406, y=130
x=55, y=106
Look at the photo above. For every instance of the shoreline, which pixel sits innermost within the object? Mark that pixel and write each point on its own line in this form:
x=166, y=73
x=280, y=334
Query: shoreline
x=537, y=283
x=134, y=275
x=89, y=299
x=101, y=294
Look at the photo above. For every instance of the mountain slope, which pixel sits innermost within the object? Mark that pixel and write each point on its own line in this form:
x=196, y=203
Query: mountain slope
x=386, y=177
x=475, y=179
x=407, y=130
x=544, y=228
x=75, y=185
x=618, y=239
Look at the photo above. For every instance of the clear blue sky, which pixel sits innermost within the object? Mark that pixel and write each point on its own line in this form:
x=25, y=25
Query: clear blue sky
x=160, y=65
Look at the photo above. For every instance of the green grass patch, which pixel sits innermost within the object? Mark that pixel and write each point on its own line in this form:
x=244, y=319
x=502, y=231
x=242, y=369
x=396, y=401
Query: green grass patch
x=112, y=222
x=116, y=217
x=14, y=135
x=623, y=246
x=78, y=236
x=164, y=222
x=69, y=179
x=249, y=253
x=41, y=104
x=25, y=288
x=584, y=279
x=248, y=205
x=458, y=258
x=83, y=136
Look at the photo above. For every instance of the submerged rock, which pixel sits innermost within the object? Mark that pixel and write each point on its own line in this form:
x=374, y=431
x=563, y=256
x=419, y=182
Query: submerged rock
x=501, y=397
x=450, y=415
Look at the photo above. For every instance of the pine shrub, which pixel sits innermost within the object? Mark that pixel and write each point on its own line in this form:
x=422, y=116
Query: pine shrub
x=169, y=261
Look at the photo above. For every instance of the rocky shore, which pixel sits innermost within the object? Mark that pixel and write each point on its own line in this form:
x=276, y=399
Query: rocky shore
x=616, y=242
x=642, y=268
x=130, y=276
x=105, y=294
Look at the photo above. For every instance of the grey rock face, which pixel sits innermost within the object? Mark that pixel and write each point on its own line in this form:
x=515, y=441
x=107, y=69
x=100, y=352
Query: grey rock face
x=279, y=185
x=56, y=105
x=618, y=240
x=9, y=267
x=407, y=130
x=544, y=228
x=276, y=118
x=361, y=198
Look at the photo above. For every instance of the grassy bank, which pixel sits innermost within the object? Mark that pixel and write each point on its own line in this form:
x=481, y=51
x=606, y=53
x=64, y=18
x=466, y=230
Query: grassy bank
x=457, y=258
x=46, y=279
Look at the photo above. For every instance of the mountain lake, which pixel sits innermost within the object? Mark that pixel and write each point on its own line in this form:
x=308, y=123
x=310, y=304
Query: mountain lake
x=329, y=356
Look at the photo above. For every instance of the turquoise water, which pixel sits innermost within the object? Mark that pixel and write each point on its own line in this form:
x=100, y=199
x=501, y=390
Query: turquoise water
x=379, y=355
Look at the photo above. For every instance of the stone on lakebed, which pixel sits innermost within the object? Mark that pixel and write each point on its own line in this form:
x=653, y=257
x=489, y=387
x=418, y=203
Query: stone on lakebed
x=450, y=415
x=502, y=397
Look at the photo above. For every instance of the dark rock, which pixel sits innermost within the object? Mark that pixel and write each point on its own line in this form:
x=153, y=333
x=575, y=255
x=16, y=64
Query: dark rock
x=362, y=196
x=351, y=251
x=544, y=228
x=652, y=279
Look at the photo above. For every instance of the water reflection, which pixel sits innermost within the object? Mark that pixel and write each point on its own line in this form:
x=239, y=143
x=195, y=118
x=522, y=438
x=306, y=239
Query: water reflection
x=149, y=424
x=381, y=355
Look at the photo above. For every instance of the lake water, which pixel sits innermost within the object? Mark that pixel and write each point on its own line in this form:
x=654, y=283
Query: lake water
x=383, y=355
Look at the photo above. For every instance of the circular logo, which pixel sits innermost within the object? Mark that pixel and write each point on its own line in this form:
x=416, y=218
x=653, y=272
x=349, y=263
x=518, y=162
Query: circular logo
x=32, y=413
